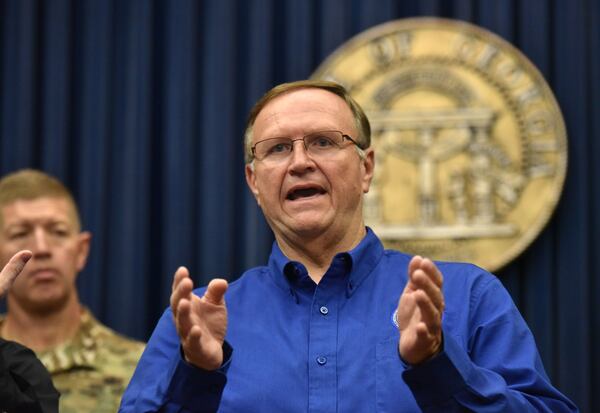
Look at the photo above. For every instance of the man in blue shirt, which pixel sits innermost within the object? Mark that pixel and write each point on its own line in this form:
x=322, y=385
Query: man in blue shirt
x=333, y=322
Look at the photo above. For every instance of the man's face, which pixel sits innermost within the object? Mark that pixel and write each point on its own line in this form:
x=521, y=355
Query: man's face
x=46, y=226
x=301, y=196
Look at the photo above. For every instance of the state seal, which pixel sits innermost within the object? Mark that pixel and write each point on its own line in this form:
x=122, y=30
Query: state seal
x=470, y=144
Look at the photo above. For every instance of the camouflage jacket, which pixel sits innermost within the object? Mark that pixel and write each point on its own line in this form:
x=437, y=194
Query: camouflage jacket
x=91, y=370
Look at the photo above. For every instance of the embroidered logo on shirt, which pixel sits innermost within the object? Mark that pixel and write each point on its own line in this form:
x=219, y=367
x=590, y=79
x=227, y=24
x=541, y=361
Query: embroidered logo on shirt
x=395, y=318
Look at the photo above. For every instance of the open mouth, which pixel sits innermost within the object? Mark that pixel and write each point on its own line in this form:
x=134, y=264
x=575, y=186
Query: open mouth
x=304, y=193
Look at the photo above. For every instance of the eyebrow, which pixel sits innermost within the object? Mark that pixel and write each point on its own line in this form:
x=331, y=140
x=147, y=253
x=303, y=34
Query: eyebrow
x=28, y=222
x=323, y=129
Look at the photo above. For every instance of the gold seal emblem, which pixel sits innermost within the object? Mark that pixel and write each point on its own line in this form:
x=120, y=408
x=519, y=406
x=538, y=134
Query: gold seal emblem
x=470, y=143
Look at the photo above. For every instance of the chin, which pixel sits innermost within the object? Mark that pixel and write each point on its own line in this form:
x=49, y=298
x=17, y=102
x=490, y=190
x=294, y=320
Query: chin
x=312, y=218
x=46, y=302
x=306, y=224
x=310, y=229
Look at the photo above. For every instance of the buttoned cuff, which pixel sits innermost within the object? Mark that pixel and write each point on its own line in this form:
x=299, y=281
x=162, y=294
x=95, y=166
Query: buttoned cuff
x=197, y=389
x=440, y=378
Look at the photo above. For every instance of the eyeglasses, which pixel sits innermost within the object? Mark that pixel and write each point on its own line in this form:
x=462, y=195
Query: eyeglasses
x=319, y=145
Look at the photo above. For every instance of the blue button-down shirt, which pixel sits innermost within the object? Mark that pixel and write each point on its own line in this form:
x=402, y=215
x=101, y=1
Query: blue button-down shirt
x=295, y=346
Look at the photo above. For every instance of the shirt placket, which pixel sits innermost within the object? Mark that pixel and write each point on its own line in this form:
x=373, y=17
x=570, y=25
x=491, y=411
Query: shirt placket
x=323, y=341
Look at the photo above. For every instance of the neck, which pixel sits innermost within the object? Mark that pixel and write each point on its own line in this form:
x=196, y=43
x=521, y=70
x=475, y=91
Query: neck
x=41, y=332
x=316, y=253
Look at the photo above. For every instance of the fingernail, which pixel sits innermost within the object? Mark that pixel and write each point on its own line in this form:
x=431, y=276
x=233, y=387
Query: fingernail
x=26, y=257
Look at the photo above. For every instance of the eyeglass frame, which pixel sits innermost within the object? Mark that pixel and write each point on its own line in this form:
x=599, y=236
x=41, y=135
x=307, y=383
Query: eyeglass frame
x=344, y=137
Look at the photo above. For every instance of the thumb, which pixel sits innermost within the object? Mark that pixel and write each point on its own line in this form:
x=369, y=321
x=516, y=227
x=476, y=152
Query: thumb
x=215, y=291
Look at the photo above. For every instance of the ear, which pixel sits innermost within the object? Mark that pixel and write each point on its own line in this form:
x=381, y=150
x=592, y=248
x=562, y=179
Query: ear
x=85, y=238
x=251, y=181
x=368, y=168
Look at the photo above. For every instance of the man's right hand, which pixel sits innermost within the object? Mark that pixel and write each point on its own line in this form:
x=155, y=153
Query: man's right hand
x=12, y=269
x=201, y=322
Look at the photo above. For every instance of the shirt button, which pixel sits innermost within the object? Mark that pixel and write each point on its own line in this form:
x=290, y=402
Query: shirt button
x=321, y=360
x=324, y=310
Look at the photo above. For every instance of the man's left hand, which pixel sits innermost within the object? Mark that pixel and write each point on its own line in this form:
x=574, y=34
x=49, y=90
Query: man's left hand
x=420, y=311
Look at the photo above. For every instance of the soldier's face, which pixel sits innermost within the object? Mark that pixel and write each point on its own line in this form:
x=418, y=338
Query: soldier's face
x=47, y=226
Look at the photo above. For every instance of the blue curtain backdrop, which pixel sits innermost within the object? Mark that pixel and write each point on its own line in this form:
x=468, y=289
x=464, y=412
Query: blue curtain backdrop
x=139, y=106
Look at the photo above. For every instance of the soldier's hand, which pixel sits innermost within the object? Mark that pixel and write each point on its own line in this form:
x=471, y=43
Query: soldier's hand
x=420, y=311
x=201, y=322
x=12, y=269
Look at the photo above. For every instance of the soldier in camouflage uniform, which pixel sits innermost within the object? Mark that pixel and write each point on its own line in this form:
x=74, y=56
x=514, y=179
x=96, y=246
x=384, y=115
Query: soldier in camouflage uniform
x=89, y=363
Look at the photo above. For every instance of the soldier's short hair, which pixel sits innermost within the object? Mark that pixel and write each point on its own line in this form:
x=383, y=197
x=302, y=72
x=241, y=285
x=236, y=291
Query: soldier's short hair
x=31, y=184
x=360, y=118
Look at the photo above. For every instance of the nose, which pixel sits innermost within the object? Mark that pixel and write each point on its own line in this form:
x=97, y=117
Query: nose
x=41, y=246
x=300, y=159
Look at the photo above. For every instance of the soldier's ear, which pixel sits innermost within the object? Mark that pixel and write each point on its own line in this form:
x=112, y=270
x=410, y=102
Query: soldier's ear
x=83, y=249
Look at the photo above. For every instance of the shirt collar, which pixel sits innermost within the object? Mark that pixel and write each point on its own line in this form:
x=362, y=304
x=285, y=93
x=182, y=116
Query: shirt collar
x=365, y=257
x=79, y=352
x=360, y=263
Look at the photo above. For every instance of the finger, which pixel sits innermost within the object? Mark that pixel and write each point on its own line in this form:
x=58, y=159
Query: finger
x=408, y=309
x=414, y=263
x=432, y=271
x=424, y=282
x=179, y=275
x=194, y=337
x=182, y=288
x=215, y=291
x=429, y=313
x=183, y=292
x=192, y=344
x=422, y=331
x=183, y=320
x=13, y=269
x=429, y=341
